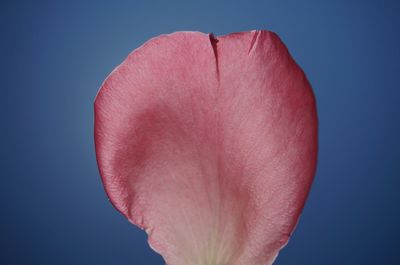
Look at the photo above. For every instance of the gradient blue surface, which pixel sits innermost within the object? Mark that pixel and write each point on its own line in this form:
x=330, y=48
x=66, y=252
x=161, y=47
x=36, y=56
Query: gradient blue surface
x=55, y=55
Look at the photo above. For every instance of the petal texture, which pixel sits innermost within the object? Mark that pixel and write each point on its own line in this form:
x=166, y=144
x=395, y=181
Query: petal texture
x=210, y=144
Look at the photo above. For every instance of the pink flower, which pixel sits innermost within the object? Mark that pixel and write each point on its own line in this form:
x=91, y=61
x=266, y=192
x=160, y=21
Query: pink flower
x=209, y=144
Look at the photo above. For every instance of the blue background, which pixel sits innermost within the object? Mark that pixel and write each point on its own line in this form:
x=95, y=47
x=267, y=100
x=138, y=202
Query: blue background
x=55, y=55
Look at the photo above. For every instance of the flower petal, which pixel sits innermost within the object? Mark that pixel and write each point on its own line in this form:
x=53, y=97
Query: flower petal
x=209, y=144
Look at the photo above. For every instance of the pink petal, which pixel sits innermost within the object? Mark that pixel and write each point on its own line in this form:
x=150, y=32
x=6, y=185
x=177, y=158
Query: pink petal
x=209, y=144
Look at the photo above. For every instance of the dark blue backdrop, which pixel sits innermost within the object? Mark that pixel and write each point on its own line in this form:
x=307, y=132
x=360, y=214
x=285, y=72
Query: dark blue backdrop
x=55, y=55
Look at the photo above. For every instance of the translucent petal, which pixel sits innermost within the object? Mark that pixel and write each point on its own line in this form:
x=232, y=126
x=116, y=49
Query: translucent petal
x=210, y=144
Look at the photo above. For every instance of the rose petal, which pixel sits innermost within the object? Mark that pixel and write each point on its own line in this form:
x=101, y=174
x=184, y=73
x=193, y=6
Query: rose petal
x=209, y=144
